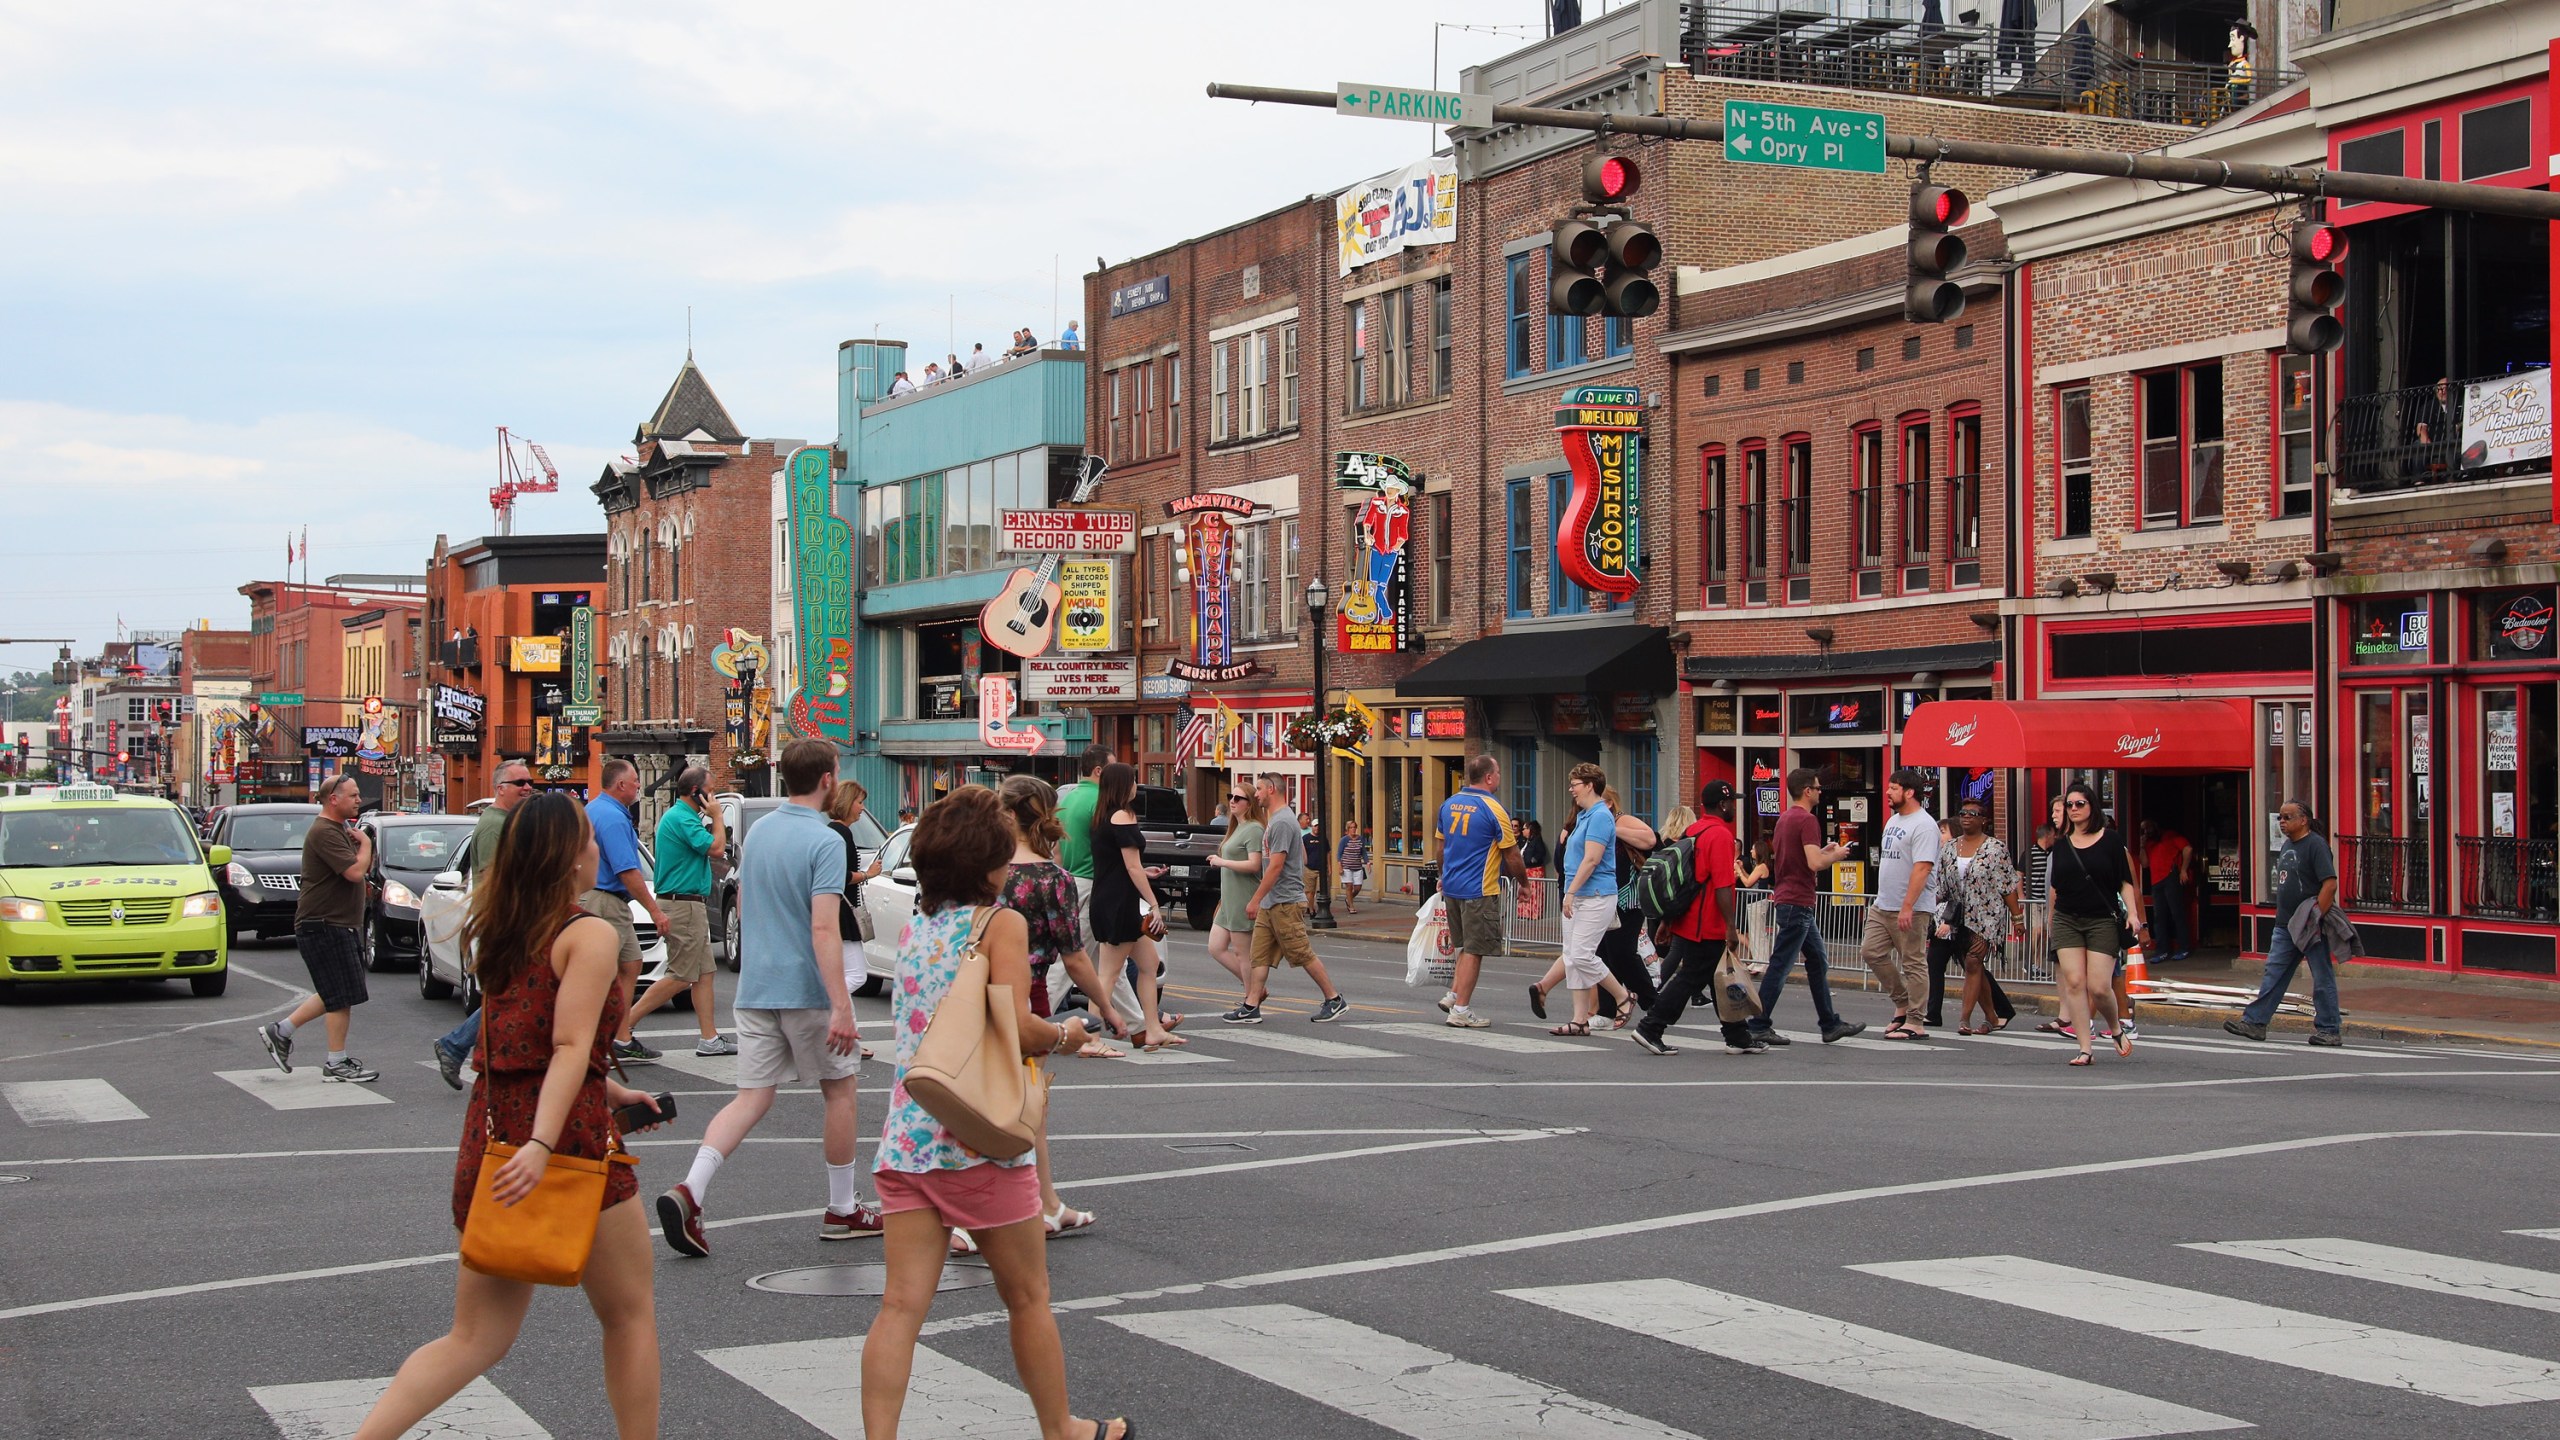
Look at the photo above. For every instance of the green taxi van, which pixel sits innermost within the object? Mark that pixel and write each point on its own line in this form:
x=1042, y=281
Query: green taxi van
x=100, y=886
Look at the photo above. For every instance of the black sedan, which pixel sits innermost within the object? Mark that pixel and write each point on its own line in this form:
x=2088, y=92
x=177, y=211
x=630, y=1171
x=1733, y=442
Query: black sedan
x=409, y=852
x=263, y=882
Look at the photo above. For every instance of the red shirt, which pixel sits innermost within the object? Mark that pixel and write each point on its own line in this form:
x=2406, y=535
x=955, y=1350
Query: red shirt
x=1705, y=920
x=2162, y=858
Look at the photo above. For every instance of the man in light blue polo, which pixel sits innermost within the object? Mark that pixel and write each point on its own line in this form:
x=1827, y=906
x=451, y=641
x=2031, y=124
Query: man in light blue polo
x=621, y=880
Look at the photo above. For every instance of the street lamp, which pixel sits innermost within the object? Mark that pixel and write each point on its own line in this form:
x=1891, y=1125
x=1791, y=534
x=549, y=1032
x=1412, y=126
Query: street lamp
x=1321, y=918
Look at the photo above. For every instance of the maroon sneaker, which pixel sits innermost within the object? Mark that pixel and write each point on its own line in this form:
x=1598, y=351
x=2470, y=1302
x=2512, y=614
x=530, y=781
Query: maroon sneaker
x=863, y=1220
x=680, y=1220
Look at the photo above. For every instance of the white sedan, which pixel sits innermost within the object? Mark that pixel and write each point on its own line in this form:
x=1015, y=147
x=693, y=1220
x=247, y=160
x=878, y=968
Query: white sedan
x=891, y=899
x=445, y=969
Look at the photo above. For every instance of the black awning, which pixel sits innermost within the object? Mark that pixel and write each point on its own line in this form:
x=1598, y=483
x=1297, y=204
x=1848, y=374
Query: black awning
x=1945, y=659
x=1595, y=658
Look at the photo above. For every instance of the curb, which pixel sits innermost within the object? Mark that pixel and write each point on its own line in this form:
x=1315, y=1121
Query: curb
x=2353, y=1028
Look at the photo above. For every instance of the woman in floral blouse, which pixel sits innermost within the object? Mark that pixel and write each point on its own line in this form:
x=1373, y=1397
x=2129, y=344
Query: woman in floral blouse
x=931, y=1184
x=1045, y=895
x=1978, y=908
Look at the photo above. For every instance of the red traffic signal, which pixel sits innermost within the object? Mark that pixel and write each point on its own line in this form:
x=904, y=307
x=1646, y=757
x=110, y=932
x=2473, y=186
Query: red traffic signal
x=2313, y=289
x=1609, y=179
x=1932, y=297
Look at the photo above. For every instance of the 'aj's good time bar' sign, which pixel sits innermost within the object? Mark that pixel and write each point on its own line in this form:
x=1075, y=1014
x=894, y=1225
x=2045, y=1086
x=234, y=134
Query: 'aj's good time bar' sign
x=1602, y=427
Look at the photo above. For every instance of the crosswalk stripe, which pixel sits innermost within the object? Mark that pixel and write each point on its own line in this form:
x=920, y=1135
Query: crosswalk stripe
x=2447, y=1370
x=719, y=1069
x=1484, y=1039
x=2537, y=1234
x=332, y=1409
x=69, y=1102
x=2277, y=1046
x=1853, y=1042
x=1307, y=1045
x=1387, y=1381
x=2415, y=1269
x=821, y=1382
x=1173, y=1055
x=301, y=1090
x=1945, y=1384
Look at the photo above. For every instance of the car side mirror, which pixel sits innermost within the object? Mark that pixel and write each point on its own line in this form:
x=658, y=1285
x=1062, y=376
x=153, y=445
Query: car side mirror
x=217, y=856
x=904, y=875
x=448, y=880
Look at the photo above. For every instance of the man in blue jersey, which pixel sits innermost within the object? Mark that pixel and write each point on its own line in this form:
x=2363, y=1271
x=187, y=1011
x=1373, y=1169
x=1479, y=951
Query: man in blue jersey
x=1478, y=846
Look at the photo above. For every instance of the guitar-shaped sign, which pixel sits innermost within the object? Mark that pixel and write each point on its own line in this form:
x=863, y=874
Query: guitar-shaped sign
x=1023, y=617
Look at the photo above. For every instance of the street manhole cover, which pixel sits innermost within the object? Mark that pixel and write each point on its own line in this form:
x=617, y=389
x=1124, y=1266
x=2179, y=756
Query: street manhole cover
x=861, y=1279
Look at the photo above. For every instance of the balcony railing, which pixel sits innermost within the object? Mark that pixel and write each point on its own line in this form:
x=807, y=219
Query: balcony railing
x=1795, y=528
x=2400, y=439
x=462, y=654
x=1755, y=541
x=1715, y=557
x=2509, y=879
x=1820, y=42
x=2384, y=872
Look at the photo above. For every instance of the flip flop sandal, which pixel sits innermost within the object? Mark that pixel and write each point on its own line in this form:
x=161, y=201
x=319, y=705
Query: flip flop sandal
x=1537, y=1002
x=2055, y=1027
x=1096, y=1050
x=1102, y=1429
x=1065, y=1218
x=2080, y=1059
x=1996, y=1028
x=2124, y=1045
x=1572, y=1028
x=962, y=1244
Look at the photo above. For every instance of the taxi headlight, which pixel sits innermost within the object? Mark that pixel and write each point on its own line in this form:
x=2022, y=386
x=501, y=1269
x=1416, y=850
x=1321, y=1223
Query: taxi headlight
x=395, y=893
x=12, y=908
x=200, y=905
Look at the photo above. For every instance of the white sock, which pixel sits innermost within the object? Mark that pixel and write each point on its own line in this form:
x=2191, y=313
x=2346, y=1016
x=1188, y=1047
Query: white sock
x=284, y=1027
x=844, y=1187
x=337, y=1055
x=706, y=1163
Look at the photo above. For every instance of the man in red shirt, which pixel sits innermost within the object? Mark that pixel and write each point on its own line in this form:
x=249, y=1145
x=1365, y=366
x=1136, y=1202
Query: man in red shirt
x=1698, y=939
x=2164, y=857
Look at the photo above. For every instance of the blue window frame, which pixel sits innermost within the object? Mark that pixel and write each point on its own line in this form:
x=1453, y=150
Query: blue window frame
x=1644, y=800
x=1516, y=357
x=1566, y=334
x=1522, y=536
x=1563, y=596
x=1617, y=337
x=1521, y=769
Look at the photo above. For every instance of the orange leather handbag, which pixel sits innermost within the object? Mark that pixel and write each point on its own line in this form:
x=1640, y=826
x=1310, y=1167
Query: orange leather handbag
x=545, y=1238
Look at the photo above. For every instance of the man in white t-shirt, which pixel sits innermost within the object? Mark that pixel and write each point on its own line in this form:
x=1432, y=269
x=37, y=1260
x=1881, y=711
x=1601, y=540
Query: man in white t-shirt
x=1896, y=941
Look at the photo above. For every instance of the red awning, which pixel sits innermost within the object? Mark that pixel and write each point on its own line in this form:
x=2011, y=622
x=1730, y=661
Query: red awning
x=2076, y=734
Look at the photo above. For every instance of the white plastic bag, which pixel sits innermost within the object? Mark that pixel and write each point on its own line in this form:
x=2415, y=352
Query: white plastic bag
x=1429, y=956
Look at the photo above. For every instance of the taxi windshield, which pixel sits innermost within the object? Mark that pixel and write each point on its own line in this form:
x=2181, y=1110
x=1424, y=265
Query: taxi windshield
x=94, y=835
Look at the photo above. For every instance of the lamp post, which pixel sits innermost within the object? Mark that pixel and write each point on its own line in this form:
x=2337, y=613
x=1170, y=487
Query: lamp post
x=1321, y=918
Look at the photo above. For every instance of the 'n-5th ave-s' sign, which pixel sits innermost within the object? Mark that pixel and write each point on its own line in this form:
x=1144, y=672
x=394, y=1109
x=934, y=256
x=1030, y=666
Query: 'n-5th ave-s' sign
x=1805, y=137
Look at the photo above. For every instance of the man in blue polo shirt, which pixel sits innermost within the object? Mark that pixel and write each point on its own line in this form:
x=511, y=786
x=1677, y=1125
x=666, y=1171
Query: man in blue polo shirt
x=621, y=880
x=1478, y=846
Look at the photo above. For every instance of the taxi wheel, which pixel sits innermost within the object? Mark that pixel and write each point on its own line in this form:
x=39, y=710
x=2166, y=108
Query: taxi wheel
x=208, y=986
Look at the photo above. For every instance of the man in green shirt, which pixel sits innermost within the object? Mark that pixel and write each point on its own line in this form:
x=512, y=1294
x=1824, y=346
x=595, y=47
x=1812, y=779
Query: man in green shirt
x=1075, y=812
x=689, y=835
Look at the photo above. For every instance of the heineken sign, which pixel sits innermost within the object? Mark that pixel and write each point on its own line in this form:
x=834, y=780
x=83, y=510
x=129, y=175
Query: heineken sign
x=1602, y=427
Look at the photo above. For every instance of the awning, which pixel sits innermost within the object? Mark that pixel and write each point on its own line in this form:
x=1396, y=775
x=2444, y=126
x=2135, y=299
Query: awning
x=2079, y=734
x=1582, y=658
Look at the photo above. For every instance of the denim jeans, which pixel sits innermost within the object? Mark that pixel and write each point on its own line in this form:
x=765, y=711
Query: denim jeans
x=1797, y=934
x=2282, y=959
x=1688, y=975
x=2169, y=920
x=462, y=1037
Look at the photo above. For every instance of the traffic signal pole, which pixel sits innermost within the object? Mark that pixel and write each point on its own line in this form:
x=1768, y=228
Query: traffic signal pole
x=2068, y=159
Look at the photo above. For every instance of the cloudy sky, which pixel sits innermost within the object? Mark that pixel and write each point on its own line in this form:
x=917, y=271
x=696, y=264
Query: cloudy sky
x=283, y=263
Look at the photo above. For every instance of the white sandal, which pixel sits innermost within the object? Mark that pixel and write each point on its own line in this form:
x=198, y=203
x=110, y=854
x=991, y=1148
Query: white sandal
x=962, y=1243
x=1063, y=1219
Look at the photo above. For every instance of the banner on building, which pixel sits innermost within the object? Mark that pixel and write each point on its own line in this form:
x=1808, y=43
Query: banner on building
x=334, y=741
x=582, y=655
x=1380, y=216
x=1072, y=532
x=1602, y=427
x=821, y=601
x=1076, y=680
x=528, y=654
x=2506, y=419
x=740, y=653
x=378, y=732
x=1376, y=616
x=1208, y=550
x=454, y=715
x=1086, y=593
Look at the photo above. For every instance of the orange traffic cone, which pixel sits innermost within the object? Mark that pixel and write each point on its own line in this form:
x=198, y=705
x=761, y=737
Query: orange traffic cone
x=2137, y=971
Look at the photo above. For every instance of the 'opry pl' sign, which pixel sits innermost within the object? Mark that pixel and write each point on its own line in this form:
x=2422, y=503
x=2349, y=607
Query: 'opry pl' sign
x=1602, y=427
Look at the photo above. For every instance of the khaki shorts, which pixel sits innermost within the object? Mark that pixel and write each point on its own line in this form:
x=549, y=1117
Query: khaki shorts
x=1281, y=934
x=778, y=1046
x=688, y=939
x=1475, y=926
x=2099, y=935
x=615, y=910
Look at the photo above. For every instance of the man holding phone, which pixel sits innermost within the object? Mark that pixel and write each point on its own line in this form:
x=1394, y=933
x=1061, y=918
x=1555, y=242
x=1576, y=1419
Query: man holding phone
x=1796, y=855
x=690, y=837
x=793, y=1013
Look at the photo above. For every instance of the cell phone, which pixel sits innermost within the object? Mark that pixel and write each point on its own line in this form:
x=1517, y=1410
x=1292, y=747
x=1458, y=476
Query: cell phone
x=636, y=1116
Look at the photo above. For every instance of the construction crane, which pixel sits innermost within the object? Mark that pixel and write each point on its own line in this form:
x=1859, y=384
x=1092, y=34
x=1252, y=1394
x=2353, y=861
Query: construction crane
x=529, y=473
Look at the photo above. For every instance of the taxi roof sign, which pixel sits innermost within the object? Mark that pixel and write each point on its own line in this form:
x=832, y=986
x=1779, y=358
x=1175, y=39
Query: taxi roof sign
x=82, y=793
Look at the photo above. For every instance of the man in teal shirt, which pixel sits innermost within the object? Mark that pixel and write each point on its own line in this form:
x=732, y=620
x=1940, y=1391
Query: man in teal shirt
x=689, y=835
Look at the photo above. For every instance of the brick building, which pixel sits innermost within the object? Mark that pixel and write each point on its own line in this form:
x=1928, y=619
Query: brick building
x=337, y=647
x=499, y=679
x=688, y=554
x=213, y=668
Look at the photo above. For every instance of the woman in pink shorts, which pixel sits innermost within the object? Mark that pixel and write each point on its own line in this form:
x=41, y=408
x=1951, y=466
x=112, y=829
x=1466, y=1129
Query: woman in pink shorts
x=930, y=1184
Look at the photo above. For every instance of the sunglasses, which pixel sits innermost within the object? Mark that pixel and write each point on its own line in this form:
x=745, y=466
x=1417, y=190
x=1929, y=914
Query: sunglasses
x=2075, y=804
x=1239, y=799
x=515, y=784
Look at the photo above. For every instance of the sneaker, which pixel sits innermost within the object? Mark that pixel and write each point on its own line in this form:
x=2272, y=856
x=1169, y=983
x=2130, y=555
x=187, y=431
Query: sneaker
x=1243, y=1015
x=1768, y=1039
x=279, y=1046
x=351, y=1071
x=716, y=1045
x=449, y=1064
x=633, y=1050
x=1465, y=1019
x=860, y=1221
x=2131, y=1033
x=1650, y=1044
x=1449, y=1002
x=2245, y=1030
x=1331, y=1010
x=1841, y=1030
x=1751, y=1048
x=2327, y=1039
x=680, y=1220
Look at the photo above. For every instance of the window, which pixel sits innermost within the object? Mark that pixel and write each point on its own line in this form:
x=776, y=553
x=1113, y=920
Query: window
x=1142, y=384
x=2497, y=139
x=646, y=546
x=1173, y=410
x=1147, y=558
x=1119, y=426
x=1795, y=372
x=1964, y=498
x=1567, y=335
x=1289, y=377
x=1916, y=507
x=675, y=569
x=2293, y=434
x=1867, y=505
x=1910, y=347
x=2071, y=510
x=1436, y=517
x=1617, y=337
x=1395, y=377
x=1521, y=769
x=1797, y=528
x=1253, y=385
x=1644, y=800
x=1255, y=581
x=1867, y=358
x=1713, y=526
x=1164, y=580
x=1751, y=378
x=1755, y=513
x=1713, y=386
x=1289, y=598
x=1520, y=533
x=1441, y=372
x=1356, y=386
x=1218, y=391
x=1515, y=303
x=2181, y=445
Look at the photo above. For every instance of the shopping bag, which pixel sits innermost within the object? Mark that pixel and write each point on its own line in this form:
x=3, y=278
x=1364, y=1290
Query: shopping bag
x=1429, y=956
x=1533, y=895
x=1737, y=999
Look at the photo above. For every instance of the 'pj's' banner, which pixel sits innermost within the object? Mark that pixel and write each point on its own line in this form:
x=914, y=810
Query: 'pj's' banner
x=1602, y=427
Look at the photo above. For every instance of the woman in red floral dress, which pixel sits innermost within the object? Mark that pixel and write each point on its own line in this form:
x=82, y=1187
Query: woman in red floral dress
x=552, y=1002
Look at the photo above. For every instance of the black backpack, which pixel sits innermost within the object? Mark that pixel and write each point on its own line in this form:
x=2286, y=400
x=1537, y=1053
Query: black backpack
x=1668, y=884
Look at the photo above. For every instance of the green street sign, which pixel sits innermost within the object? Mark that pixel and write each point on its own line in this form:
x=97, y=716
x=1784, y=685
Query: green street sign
x=1397, y=102
x=1804, y=137
x=280, y=697
x=581, y=714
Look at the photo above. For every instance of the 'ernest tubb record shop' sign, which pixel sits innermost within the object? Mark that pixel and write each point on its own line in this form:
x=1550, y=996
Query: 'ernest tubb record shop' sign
x=1602, y=427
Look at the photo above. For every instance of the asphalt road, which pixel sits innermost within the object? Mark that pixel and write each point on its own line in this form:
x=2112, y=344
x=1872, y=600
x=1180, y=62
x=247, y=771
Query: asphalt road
x=1406, y=1231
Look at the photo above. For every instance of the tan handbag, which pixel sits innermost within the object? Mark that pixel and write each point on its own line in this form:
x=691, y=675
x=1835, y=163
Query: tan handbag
x=545, y=1238
x=969, y=1071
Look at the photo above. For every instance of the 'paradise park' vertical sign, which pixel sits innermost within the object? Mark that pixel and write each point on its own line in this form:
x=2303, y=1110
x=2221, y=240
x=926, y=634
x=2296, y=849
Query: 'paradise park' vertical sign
x=821, y=601
x=1602, y=427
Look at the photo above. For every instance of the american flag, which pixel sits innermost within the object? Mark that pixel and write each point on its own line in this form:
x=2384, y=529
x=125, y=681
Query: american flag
x=1195, y=736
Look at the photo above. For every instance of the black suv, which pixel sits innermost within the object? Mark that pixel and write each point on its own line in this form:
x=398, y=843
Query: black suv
x=409, y=851
x=263, y=882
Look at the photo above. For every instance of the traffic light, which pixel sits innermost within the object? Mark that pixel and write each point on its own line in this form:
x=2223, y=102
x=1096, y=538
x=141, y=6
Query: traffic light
x=1600, y=237
x=65, y=670
x=1936, y=253
x=2311, y=325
